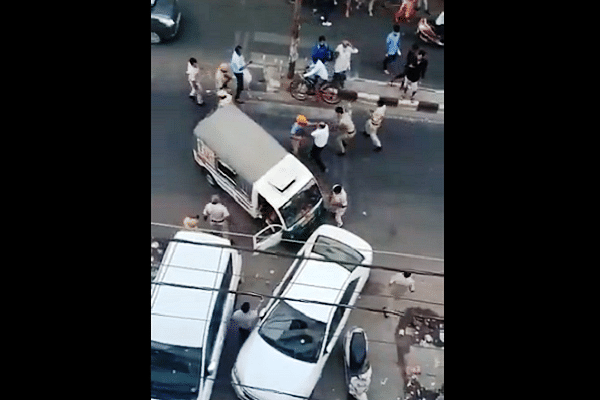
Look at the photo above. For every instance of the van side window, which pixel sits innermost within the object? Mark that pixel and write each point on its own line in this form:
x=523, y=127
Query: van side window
x=217, y=316
x=227, y=171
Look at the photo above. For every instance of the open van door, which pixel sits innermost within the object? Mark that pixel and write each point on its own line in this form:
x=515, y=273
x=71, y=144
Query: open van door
x=267, y=237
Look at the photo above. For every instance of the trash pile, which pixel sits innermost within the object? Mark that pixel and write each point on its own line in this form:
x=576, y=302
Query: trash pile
x=157, y=250
x=426, y=332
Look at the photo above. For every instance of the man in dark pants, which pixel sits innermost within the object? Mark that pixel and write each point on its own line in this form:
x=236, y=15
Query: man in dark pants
x=238, y=64
x=320, y=135
x=245, y=319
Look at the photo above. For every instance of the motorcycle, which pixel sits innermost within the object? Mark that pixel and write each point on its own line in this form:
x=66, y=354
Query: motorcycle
x=356, y=364
x=430, y=32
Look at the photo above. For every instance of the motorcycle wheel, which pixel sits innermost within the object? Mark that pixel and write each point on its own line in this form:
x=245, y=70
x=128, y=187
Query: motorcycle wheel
x=299, y=90
x=330, y=94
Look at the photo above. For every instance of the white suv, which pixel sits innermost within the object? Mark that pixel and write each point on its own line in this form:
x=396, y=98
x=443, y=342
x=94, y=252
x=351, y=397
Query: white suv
x=188, y=324
x=284, y=355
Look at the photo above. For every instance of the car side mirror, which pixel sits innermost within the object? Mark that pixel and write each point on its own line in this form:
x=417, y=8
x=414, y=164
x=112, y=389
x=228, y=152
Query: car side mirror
x=262, y=312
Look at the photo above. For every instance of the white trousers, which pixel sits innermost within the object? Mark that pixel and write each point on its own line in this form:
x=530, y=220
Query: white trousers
x=198, y=92
x=372, y=131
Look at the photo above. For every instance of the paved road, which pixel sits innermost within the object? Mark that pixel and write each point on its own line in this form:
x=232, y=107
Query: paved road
x=401, y=190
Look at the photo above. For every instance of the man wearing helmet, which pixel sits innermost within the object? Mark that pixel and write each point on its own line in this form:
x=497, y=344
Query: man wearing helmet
x=297, y=132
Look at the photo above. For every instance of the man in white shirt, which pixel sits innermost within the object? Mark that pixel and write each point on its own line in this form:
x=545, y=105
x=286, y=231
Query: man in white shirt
x=238, y=64
x=193, y=73
x=318, y=70
x=245, y=319
x=404, y=279
x=320, y=135
x=374, y=123
x=342, y=62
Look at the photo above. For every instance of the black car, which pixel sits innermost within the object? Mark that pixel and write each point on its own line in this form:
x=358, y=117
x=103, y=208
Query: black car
x=164, y=20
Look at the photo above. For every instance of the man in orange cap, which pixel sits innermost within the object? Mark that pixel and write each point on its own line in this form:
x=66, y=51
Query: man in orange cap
x=297, y=132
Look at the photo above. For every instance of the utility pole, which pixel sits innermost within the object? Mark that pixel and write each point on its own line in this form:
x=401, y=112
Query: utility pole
x=295, y=38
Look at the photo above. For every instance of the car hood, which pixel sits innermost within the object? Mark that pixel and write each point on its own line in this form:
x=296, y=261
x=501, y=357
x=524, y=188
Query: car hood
x=260, y=365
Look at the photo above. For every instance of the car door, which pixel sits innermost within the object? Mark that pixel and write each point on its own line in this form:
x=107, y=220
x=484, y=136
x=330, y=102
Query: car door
x=267, y=237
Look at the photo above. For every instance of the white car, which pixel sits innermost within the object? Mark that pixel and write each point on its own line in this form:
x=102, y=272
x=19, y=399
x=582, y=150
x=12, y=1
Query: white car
x=284, y=355
x=189, y=325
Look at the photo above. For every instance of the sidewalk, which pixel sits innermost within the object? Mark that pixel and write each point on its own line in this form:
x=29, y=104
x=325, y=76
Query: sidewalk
x=269, y=74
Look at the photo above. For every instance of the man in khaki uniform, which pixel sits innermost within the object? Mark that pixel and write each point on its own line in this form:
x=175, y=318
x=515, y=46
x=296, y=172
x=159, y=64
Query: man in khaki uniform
x=374, y=123
x=346, y=129
x=338, y=202
x=217, y=214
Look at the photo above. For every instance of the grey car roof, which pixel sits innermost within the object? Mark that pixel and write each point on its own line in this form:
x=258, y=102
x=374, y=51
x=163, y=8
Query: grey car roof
x=240, y=142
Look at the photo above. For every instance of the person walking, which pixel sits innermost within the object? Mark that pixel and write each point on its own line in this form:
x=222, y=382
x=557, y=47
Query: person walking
x=374, y=123
x=238, y=64
x=346, y=129
x=414, y=72
x=297, y=133
x=342, y=62
x=193, y=73
x=404, y=279
x=191, y=222
x=392, y=43
x=411, y=58
x=217, y=214
x=320, y=135
x=245, y=320
x=222, y=77
x=338, y=201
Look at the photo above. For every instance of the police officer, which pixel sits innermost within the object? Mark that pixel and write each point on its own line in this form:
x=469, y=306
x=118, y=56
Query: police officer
x=217, y=214
x=338, y=202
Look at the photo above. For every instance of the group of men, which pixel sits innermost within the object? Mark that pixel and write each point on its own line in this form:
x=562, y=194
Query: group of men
x=222, y=78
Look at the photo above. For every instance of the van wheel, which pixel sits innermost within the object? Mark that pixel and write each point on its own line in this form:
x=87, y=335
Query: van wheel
x=210, y=179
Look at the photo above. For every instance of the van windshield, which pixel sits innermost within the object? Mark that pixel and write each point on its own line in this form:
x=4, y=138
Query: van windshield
x=175, y=371
x=301, y=204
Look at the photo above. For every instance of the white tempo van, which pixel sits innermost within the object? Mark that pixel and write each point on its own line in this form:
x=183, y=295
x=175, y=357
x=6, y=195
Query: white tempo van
x=242, y=158
x=191, y=305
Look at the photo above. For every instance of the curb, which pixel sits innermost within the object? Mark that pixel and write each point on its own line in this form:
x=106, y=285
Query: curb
x=426, y=106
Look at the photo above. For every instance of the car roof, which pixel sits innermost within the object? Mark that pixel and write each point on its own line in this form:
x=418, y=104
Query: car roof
x=240, y=142
x=317, y=281
x=179, y=315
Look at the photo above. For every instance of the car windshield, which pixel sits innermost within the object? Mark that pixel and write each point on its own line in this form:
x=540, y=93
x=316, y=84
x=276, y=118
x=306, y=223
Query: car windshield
x=301, y=204
x=175, y=371
x=293, y=333
x=337, y=251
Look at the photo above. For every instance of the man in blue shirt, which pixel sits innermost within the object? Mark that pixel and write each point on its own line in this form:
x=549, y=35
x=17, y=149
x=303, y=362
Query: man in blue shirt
x=321, y=51
x=393, y=47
